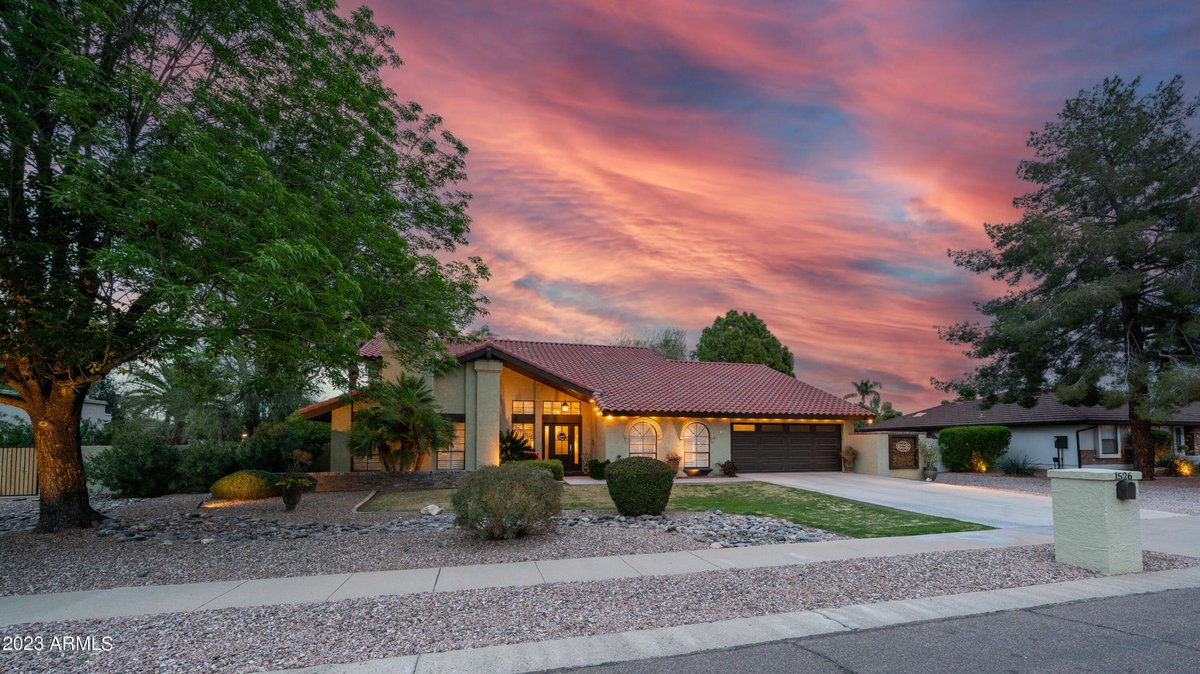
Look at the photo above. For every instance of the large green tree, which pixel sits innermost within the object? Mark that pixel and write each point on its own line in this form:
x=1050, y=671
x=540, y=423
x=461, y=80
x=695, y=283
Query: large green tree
x=227, y=173
x=742, y=337
x=1103, y=303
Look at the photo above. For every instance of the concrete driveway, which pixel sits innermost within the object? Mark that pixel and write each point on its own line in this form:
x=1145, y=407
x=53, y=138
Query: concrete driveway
x=995, y=508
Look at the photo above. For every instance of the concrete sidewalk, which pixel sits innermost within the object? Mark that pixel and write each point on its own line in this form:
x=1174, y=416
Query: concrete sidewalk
x=993, y=507
x=698, y=638
x=153, y=599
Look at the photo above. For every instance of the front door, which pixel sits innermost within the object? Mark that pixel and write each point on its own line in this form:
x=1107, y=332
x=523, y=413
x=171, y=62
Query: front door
x=562, y=442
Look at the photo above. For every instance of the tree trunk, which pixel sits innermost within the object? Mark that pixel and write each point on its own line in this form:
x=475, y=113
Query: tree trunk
x=1143, y=442
x=62, y=487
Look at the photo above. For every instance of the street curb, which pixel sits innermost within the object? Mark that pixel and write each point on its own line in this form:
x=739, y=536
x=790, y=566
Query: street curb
x=684, y=639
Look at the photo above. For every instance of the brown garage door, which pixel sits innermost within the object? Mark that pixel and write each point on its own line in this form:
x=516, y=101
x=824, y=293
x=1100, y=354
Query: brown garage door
x=774, y=448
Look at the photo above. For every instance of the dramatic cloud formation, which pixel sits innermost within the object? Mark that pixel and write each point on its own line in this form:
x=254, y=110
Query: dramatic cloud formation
x=649, y=164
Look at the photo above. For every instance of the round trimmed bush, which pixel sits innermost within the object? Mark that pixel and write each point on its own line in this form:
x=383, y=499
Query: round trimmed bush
x=507, y=501
x=246, y=485
x=640, y=485
x=973, y=448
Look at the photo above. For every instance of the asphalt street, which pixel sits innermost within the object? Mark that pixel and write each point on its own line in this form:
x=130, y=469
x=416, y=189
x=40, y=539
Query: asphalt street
x=1152, y=633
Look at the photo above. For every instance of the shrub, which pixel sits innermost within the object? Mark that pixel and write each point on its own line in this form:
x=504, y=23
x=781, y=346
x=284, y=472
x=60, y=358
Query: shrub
x=1181, y=467
x=269, y=447
x=973, y=448
x=513, y=446
x=640, y=485
x=137, y=465
x=553, y=465
x=1017, y=466
x=507, y=501
x=596, y=468
x=15, y=433
x=203, y=463
x=92, y=432
x=728, y=469
x=246, y=485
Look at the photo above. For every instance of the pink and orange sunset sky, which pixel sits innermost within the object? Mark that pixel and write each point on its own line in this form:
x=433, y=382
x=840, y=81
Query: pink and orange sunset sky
x=640, y=165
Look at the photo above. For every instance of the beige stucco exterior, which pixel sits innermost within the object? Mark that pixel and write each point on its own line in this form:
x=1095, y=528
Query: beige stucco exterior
x=481, y=392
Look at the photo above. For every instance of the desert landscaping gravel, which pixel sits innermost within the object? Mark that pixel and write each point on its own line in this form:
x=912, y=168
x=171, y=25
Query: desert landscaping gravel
x=274, y=637
x=1169, y=494
x=171, y=540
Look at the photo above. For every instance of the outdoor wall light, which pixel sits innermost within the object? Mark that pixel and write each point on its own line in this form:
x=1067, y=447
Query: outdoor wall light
x=566, y=407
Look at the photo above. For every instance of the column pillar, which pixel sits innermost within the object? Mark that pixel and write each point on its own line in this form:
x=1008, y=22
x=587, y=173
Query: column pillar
x=487, y=412
x=1093, y=529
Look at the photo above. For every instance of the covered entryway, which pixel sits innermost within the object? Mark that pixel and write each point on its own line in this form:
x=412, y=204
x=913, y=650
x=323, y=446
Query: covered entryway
x=776, y=448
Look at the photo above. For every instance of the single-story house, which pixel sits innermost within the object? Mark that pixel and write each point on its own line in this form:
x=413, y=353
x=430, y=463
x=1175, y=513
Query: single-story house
x=1050, y=434
x=576, y=402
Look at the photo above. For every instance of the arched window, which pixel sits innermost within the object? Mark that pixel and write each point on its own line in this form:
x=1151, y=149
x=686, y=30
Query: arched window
x=695, y=445
x=643, y=440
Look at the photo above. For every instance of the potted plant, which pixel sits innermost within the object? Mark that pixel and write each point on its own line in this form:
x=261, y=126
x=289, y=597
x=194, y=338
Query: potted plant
x=930, y=455
x=849, y=454
x=293, y=485
x=674, y=460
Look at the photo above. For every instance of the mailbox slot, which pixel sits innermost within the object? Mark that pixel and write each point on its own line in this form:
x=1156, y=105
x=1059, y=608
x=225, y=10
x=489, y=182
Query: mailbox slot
x=1126, y=490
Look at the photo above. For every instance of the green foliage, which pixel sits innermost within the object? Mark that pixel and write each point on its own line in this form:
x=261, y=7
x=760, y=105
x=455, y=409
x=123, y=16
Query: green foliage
x=137, y=465
x=743, y=338
x=1017, y=466
x=507, y=501
x=867, y=392
x=1102, y=302
x=728, y=468
x=15, y=432
x=596, y=468
x=270, y=447
x=553, y=465
x=246, y=485
x=640, y=485
x=513, y=446
x=229, y=176
x=973, y=448
x=404, y=425
x=203, y=463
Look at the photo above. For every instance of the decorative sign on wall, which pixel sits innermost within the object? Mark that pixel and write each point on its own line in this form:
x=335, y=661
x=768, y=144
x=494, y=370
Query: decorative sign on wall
x=902, y=451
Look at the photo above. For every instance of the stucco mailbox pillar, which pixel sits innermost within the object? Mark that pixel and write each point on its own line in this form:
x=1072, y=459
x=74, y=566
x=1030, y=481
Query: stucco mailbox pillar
x=1093, y=528
x=487, y=412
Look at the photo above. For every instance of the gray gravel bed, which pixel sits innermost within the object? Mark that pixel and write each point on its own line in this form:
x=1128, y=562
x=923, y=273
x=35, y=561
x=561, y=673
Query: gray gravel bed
x=171, y=540
x=276, y=637
x=1169, y=494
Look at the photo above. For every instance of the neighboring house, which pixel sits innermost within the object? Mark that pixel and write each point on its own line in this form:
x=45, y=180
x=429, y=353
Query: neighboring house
x=576, y=402
x=93, y=409
x=1050, y=434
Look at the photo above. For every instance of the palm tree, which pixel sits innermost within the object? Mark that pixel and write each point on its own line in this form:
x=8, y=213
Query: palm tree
x=866, y=389
x=403, y=425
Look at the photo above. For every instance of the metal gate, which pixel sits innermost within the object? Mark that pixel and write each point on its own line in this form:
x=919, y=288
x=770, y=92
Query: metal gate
x=18, y=471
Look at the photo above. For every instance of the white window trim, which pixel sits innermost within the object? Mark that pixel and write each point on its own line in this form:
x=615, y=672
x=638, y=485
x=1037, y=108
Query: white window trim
x=1100, y=453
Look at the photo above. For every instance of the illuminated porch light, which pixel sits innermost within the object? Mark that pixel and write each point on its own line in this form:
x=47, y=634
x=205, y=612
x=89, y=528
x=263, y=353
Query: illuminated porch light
x=566, y=407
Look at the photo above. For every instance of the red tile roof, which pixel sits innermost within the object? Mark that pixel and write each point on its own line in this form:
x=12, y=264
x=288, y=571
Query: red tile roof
x=373, y=348
x=625, y=379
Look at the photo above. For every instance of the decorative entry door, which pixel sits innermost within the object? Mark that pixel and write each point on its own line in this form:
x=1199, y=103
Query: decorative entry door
x=562, y=442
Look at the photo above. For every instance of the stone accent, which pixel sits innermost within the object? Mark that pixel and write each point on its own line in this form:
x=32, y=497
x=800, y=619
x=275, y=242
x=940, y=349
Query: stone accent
x=1092, y=528
x=374, y=479
x=1089, y=458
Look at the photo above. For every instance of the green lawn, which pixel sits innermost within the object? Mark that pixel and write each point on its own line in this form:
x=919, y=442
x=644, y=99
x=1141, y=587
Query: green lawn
x=839, y=515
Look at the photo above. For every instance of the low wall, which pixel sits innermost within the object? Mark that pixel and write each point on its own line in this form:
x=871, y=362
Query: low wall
x=873, y=457
x=374, y=479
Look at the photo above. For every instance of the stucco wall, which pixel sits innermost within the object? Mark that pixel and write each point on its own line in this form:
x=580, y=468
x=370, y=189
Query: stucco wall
x=873, y=456
x=670, y=439
x=94, y=410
